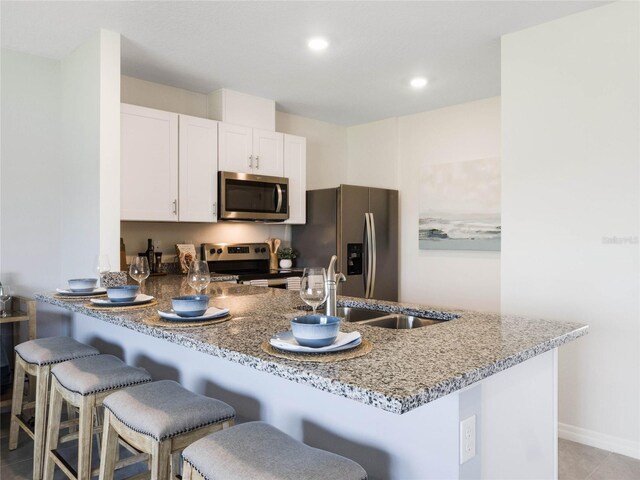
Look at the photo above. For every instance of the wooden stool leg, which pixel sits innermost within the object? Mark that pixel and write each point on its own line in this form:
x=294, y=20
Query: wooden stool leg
x=53, y=430
x=16, y=402
x=175, y=465
x=85, y=437
x=160, y=460
x=97, y=423
x=70, y=414
x=109, y=452
x=42, y=393
x=187, y=471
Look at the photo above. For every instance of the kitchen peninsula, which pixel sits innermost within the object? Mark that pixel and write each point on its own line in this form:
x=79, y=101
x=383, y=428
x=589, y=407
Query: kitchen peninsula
x=396, y=410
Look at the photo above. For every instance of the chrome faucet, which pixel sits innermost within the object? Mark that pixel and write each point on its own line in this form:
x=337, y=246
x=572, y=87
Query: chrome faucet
x=333, y=279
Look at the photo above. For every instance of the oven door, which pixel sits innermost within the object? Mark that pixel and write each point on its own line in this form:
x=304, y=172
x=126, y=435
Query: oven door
x=253, y=197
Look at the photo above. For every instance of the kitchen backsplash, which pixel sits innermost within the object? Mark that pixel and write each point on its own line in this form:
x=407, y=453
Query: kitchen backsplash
x=165, y=235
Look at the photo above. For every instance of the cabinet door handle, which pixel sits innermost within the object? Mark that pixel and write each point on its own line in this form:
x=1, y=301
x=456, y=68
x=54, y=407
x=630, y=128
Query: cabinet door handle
x=250, y=161
x=175, y=207
x=215, y=210
x=258, y=161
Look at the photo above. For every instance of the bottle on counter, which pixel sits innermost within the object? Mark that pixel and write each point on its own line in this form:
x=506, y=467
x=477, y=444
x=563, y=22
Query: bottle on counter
x=123, y=256
x=150, y=254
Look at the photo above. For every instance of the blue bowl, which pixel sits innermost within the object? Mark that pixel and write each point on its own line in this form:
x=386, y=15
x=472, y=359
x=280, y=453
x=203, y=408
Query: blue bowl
x=315, y=330
x=190, y=305
x=82, y=285
x=123, y=293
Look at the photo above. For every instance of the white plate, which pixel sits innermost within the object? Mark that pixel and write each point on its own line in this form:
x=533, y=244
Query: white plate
x=211, y=313
x=105, y=302
x=286, y=341
x=95, y=291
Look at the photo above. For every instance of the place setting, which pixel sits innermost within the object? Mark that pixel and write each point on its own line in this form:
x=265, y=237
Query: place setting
x=192, y=310
x=316, y=338
x=81, y=288
x=86, y=288
x=127, y=297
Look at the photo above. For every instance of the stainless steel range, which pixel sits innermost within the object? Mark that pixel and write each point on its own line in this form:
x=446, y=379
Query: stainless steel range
x=250, y=261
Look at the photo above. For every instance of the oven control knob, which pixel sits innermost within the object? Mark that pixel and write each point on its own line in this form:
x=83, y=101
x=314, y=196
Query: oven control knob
x=262, y=250
x=219, y=251
x=212, y=251
x=257, y=250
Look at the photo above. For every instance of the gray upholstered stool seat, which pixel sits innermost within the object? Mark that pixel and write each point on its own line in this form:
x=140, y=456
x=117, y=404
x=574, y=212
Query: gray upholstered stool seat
x=164, y=409
x=83, y=383
x=160, y=419
x=37, y=357
x=47, y=351
x=98, y=373
x=259, y=451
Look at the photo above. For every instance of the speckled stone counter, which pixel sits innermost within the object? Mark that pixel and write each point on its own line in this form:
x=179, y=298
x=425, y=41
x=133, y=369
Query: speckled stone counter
x=406, y=369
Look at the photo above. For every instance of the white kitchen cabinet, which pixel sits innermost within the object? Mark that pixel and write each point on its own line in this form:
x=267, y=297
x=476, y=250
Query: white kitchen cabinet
x=249, y=150
x=268, y=153
x=198, y=167
x=295, y=169
x=168, y=166
x=235, y=148
x=148, y=164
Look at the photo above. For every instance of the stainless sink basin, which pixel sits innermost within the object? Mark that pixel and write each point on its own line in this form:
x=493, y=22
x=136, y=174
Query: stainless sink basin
x=377, y=318
x=349, y=314
x=399, y=321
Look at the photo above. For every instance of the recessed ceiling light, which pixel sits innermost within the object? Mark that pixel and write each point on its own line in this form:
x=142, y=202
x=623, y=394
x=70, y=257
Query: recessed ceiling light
x=318, y=44
x=419, y=82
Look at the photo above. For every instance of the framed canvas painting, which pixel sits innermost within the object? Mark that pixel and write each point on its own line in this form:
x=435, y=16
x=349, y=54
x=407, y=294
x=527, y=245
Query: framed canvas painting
x=460, y=206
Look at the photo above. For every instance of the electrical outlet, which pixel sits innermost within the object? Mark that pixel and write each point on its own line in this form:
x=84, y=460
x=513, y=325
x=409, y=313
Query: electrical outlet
x=467, y=439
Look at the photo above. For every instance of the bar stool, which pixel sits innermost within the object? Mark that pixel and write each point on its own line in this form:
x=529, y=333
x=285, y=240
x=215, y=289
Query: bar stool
x=36, y=357
x=258, y=451
x=161, y=419
x=84, y=383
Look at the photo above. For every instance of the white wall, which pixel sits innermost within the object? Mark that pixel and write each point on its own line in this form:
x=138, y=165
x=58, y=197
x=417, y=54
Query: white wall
x=162, y=97
x=30, y=176
x=373, y=154
x=90, y=161
x=391, y=154
x=571, y=126
x=326, y=149
x=58, y=162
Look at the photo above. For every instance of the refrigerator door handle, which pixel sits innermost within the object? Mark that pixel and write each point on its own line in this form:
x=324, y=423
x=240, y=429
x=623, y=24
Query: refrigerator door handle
x=365, y=255
x=369, y=257
x=374, y=254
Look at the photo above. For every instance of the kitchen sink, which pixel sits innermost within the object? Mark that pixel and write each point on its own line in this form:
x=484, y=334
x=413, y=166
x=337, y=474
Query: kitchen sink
x=351, y=314
x=399, y=321
x=377, y=318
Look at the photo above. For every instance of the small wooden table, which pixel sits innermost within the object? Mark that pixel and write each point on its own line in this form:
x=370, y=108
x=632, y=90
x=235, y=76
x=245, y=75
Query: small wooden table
x=22, y=309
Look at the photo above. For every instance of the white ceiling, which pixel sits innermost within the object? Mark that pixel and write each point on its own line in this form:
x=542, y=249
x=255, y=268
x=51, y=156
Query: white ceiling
x=260, y=47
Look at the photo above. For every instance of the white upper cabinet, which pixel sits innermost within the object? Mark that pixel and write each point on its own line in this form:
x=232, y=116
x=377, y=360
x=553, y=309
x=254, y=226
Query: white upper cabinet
x=295, y=169
x=239, y=108
x=149, y=164
x=198, y=162
x=235, y=148
x=268, y=153
x=248, y=150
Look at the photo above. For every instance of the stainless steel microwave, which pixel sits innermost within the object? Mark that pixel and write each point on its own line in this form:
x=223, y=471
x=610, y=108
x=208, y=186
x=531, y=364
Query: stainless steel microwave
x=259, y=198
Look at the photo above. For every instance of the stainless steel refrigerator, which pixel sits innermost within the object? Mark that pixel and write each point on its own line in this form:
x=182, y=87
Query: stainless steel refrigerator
x=360, y=226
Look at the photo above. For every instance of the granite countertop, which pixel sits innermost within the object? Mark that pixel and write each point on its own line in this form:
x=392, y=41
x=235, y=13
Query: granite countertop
x=406, y=369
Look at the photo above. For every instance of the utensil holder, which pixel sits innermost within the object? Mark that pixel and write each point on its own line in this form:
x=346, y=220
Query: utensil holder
x=273, y=261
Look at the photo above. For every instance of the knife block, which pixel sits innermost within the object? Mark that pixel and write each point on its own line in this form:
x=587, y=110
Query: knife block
x=273, y=261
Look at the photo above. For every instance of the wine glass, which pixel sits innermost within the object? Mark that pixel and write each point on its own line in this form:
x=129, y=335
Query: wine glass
x=313, y=287
x=102, y=265
x=198, y=276
x=5, y=296
x=139, y=269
